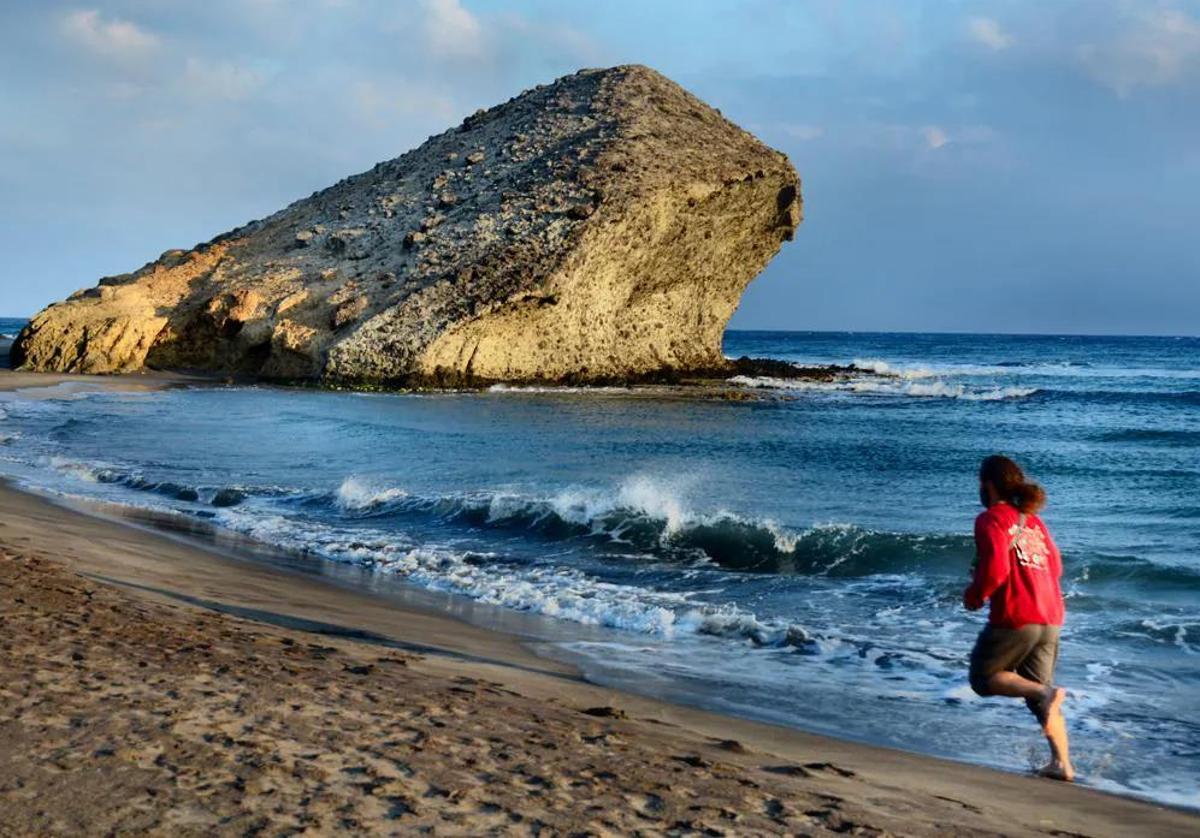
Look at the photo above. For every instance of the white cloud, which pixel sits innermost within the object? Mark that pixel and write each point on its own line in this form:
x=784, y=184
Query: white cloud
x=935, y=136
x=114, y=39
x=452, y=32
x=1159, y=47
x=221, y=79
x=987, y=31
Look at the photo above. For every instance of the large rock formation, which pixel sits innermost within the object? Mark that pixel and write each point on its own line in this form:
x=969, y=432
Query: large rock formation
x=603, y=226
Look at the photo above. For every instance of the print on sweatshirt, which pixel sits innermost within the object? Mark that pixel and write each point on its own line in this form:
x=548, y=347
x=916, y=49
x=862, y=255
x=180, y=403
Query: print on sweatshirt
x=1030, y=546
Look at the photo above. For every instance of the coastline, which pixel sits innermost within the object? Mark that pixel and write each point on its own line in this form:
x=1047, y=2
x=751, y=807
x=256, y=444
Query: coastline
x=480, y=693
x=11, y=380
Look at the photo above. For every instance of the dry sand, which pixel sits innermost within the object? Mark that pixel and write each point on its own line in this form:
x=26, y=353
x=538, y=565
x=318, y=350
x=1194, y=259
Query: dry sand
x=152, y=685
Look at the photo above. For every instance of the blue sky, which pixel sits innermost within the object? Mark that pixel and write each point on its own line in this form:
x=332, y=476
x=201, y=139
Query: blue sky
x=1007, y=166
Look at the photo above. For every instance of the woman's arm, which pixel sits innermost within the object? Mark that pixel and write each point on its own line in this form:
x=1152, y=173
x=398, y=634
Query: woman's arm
x=993, y=565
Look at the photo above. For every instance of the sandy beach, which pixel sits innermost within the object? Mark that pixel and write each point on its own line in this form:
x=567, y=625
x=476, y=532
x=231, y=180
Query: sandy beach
x=153, y=685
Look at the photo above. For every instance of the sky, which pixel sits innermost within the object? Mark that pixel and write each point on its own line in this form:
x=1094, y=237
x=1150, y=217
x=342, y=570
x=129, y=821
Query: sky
x=1019, y=166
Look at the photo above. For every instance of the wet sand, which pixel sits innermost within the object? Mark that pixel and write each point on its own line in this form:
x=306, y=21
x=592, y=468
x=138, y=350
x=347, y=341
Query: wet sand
x=148, y=684
x=11, y=380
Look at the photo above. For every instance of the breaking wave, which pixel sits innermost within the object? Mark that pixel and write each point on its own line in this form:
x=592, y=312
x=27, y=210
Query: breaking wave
x=355, y=495
x=533, y=586
x=1063, y=368
x=904, y=387
x=550, y=590
x=880, y=367
x=642, y=517
x=103, y=473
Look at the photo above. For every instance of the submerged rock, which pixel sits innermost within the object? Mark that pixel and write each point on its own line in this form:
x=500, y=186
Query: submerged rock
x=228, y=497
x=601, y=227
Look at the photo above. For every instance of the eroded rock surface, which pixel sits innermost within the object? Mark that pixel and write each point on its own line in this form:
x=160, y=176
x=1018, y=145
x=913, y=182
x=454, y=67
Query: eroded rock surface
x=600, y=227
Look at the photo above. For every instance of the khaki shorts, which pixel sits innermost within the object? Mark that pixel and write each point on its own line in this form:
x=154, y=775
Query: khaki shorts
x=1031, y=651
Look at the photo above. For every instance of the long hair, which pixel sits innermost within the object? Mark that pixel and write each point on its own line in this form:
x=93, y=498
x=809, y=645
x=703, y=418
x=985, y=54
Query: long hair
x=1010, y=484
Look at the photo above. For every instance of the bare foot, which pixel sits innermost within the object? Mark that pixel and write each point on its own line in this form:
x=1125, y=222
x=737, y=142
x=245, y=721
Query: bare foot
x=1057, y=771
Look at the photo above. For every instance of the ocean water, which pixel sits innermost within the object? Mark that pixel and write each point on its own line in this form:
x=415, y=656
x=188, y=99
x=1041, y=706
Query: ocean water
x=797, y=558
x=9, y=326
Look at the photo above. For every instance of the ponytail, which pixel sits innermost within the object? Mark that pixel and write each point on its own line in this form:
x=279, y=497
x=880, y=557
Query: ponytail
x=1006, y=477
x=1028, y=498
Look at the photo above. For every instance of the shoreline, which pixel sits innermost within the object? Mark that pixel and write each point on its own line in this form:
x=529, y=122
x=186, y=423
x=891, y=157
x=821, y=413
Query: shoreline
x=712, y=381
x=13, y=380
x=681, y=748
x=173, y=576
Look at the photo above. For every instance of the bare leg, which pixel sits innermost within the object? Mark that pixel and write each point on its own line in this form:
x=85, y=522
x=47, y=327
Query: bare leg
x=1055, y=728
x=1014, y=686
x=1054, y=725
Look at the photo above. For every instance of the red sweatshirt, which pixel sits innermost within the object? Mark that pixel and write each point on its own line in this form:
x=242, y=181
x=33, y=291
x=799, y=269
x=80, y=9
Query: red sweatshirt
x=1022, y=584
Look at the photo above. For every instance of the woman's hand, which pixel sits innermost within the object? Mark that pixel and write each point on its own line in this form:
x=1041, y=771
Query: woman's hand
x=971, y=599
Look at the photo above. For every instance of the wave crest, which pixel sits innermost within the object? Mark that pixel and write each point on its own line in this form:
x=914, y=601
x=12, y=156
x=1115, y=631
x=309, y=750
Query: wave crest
x=888, y=387
x=647, y=518
x=550, y=590
x=881, y=367
x=357, y=495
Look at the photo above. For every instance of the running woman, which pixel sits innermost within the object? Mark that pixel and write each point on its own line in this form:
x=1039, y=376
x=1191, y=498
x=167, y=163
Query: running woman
x=1018, y=568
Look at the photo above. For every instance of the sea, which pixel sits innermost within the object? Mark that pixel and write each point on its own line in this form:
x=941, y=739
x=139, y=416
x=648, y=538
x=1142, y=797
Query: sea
x=797, y=558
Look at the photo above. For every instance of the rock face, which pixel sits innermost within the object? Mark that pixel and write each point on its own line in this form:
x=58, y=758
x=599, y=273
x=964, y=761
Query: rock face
x=600, y=227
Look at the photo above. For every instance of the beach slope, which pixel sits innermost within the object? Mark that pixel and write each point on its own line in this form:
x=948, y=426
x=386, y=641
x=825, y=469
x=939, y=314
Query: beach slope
x=148, y=684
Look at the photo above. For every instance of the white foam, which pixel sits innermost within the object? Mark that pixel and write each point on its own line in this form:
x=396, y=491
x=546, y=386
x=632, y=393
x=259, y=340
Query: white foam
x=1178, y=631
x=881, y=367
x=582, y=506
x=785, y=541
x=84, y=472
x=554, y=591
x=640, y=494
x=355, y=495
x=886, y=387
x=1001, y=393
x=606, y=511
x=504, y=505
x=657, y=499
x=1155, y=788
x=553, y=388
x=1056, y=369
x=560, y=592
x=654, y=498
x=731, y=622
